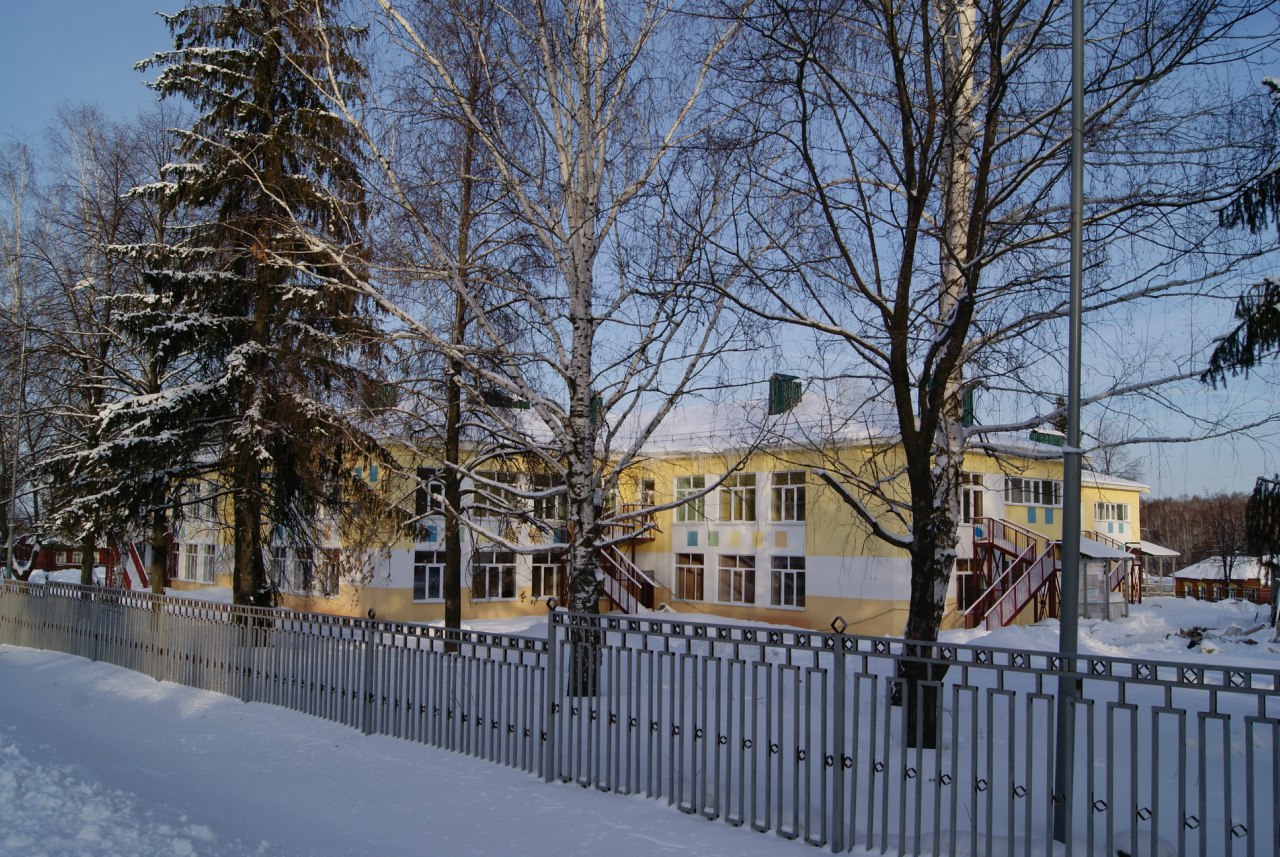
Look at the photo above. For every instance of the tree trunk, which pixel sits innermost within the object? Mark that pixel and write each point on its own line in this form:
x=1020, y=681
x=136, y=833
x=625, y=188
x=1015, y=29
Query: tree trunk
x=453, y=502
x=87, y=555
x=249, y=582
x=158, y=568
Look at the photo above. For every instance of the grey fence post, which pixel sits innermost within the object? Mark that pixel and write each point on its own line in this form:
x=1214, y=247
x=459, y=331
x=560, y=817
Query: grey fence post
x=550, y=694
x=837, y=735
x=369, y=683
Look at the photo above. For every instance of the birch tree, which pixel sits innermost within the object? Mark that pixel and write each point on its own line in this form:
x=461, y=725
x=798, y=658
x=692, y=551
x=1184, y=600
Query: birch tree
x=590, y=136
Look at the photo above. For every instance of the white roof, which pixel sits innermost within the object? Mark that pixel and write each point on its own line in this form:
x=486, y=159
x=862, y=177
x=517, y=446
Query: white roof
x=1097, y=550
x=1153, y=549
x=1245, y=568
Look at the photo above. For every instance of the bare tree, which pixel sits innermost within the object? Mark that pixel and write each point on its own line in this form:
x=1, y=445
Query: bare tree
x=595, y=149
x=921, y=152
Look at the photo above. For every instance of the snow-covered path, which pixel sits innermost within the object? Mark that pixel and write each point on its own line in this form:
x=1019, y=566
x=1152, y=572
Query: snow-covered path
x=96, y=760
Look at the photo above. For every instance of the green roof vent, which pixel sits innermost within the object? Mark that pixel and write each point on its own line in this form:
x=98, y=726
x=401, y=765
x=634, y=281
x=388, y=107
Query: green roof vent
x=784, y=393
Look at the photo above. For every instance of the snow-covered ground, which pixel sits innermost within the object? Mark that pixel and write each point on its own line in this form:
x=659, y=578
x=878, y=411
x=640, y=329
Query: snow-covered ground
x=96, y=760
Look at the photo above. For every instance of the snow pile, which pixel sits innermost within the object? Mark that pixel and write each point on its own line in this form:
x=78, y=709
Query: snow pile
x=49, y=810
x=1157, y=629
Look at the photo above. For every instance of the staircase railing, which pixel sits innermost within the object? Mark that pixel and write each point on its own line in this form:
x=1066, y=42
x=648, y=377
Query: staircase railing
x=139, y=567
x=982, y=605
x=1008, y=536
x=624, y=582
x=1024, y=588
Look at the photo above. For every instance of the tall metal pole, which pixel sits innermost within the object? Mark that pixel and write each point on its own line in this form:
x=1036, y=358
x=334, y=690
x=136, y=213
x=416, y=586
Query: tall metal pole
x=1068, y=638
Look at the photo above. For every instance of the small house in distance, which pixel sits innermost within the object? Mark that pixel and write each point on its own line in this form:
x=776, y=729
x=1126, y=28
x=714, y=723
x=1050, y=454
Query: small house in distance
x=1207, y=581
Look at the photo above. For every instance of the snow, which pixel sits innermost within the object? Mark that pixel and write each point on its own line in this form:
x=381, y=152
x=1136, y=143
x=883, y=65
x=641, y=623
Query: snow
x=1244, y=568
x=1151, y=632
x=97, y=760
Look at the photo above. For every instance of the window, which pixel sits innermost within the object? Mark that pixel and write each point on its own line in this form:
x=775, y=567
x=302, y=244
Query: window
x=647, y=493
x=1111, y=511
x=788, y=496
x=689, y=573
x=737, y=579
x=207, y=565
x=276, y=564
x=547, y=574
x=970, y=497
x=330, y=573
x=190, y=554
x=493, y=576
x=428, y=498
x=689, y=493
x=554, y=507
x=967, y=582
x=428, y=575
x=786, y=588
x=304, y=570
x=495, y=500
x=738, y=497
x=1032, y=492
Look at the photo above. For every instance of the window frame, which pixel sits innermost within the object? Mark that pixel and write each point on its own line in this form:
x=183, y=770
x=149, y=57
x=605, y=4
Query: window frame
x=493, y=567
x=688, y=569
x=543, y=566
x=736, y=573
x=737, y=495
x=1025, y=487
x=782, y=567
x=692, y=499
x=788, y=499
x=424, y=562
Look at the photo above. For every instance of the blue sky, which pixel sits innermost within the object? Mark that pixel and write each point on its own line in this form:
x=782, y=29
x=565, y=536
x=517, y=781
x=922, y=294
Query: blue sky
x=58, y=52
x=54, y=52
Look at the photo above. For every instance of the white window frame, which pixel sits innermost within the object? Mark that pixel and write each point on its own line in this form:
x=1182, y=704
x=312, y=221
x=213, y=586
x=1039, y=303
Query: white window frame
x=691, y=566
x=690, y=494
x=424, y=563
x=787, y=581
x=1020, y=491
x=1111, y=511
x=788, y=496
x=738, y=498
x=210, y=553
x=551, y=509
x=190, y=561
x=496, y=570
x=736, y=576
x=546, y=570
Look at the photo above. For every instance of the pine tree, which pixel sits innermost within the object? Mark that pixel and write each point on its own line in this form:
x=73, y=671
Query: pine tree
x=1257, y=335
x=262, y=279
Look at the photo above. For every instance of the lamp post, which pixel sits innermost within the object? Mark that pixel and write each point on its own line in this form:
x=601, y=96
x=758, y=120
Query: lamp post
x=1069, y=614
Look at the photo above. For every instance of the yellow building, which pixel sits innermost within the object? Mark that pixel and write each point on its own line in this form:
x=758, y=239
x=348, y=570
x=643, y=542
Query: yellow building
x=744, y=528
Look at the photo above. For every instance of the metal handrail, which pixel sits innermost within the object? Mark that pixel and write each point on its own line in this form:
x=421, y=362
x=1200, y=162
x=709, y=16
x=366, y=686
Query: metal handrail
x=1024, y=588
x=632, y=587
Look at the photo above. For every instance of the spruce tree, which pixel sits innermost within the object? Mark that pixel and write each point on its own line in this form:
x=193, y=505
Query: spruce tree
x=1257, y=332
x=263, y=277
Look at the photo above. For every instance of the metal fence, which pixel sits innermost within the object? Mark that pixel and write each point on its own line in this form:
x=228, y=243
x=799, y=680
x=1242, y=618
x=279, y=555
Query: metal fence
x=791, y=732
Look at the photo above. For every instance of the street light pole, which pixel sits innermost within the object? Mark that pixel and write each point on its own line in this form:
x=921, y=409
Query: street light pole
x=1069, y=612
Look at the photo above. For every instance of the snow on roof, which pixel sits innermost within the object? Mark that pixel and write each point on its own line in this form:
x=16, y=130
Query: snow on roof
x=1104, y=480
x=1097, y=550
x=1245, y=568
x=841, y=411
x=1153, y=549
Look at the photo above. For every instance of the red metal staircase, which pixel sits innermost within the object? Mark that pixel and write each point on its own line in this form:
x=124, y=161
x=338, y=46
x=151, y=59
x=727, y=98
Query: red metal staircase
x=1027, y=575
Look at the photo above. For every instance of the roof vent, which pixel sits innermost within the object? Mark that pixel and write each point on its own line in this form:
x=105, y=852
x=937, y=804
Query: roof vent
x=784, y=393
